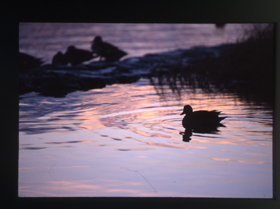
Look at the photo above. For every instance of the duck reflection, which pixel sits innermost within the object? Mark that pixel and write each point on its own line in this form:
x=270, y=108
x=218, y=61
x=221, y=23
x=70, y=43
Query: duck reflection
x=200, y=122
x=186, y=136
x=210, y=129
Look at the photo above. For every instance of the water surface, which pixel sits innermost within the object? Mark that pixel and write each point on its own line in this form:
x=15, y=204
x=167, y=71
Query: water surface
x=126, y=140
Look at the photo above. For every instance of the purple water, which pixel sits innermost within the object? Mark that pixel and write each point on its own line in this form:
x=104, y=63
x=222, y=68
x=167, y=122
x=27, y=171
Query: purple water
x=124, y=140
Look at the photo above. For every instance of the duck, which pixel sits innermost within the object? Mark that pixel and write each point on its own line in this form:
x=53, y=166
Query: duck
x=27, y=61
x=200, y=118
x=106, y=50
x=59, y=59
x=76, y=56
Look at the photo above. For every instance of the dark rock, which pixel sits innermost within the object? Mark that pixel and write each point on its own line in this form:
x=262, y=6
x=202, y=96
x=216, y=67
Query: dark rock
x=125, y=79
x=56, y=86
x=87, y=83
x=24, y=86
x=59, y=80
x=99, y=65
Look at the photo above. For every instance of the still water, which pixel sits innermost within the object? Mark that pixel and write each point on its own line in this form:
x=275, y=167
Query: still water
x=124, y=140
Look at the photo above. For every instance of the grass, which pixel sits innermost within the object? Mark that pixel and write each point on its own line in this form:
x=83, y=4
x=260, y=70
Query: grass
x=251, y=59
x=245, y=68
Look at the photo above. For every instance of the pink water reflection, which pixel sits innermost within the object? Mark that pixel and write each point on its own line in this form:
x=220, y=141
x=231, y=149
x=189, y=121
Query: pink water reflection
x=132, y=146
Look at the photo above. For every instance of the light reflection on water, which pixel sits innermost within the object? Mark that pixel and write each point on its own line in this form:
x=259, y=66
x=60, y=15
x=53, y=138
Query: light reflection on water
x=124, y=141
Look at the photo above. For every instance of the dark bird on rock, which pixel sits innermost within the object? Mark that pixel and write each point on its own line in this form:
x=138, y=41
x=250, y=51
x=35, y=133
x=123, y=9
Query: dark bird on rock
x=27, y=61
x=59, y=59
x=106, y=50
x=200, y=118
x=76, y=56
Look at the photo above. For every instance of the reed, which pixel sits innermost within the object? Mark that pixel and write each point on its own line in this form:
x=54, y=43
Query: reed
x=251, y=59
x=245, y=68
x=248, y=65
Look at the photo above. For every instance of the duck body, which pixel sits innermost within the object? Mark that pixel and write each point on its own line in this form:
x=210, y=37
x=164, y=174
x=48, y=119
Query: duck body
x=200, y=118
x=27, y=61
x=76, y=56
x=59, y=59
x=106, y=50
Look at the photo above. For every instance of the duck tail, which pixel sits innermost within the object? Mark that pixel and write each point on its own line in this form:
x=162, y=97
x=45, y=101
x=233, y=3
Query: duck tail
x=222, y=118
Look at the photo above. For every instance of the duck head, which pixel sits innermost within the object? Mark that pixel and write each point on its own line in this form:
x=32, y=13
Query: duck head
x=97, y=39
x=187, y=110
x=71, y=48
x=59, y=54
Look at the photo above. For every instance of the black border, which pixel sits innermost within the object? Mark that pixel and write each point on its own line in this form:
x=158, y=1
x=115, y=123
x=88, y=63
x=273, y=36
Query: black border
x=159, y=11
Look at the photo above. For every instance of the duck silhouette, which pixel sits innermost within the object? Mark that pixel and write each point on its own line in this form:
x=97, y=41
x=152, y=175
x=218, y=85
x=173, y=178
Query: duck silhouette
x=27, y=61
x=106, y=50
x=201, y=120
x=76, y=56
x=59, y=59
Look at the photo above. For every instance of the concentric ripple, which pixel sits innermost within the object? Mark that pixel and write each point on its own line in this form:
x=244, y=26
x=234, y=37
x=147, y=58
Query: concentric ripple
x=126, y=134
x=152, y=124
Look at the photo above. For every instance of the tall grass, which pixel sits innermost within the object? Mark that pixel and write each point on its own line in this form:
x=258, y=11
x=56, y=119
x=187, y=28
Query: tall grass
x=245, y=68
x=251, y=59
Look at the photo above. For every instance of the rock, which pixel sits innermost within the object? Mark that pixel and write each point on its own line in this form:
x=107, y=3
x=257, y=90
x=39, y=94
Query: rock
x=56, y=86
x=126, y=79
x=59, y=80
x=87, y=83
